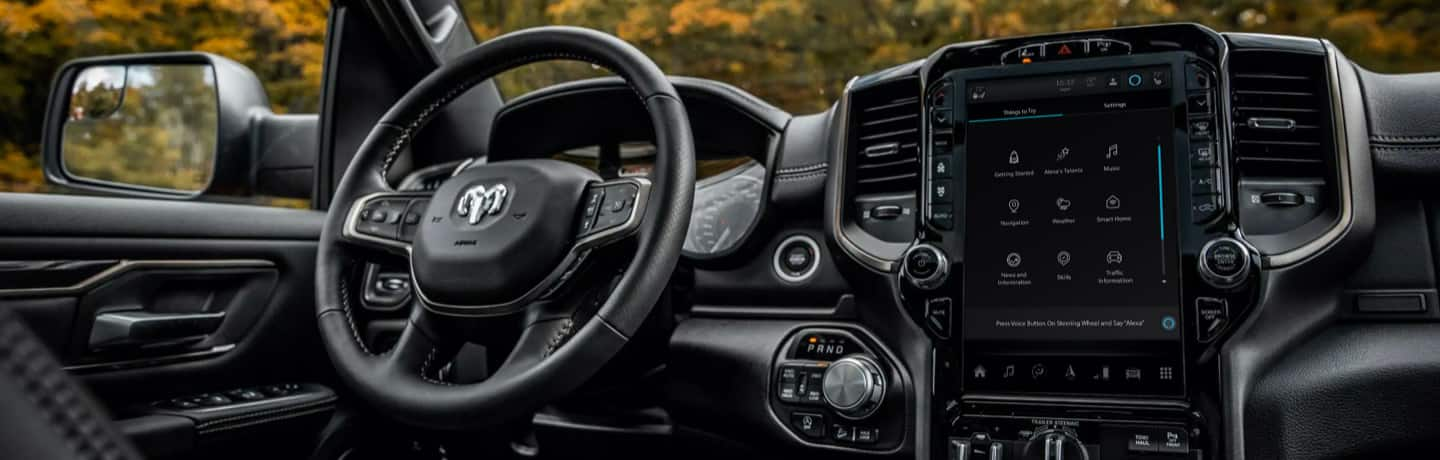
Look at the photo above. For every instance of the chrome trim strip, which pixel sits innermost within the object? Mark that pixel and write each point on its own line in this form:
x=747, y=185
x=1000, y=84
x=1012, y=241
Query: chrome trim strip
x=125, y=266
x=837, y=181
x=1346, y=219
x=152, y=361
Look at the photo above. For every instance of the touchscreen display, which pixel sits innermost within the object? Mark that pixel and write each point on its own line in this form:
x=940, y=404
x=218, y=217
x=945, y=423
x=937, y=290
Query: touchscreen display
x=1070, y=229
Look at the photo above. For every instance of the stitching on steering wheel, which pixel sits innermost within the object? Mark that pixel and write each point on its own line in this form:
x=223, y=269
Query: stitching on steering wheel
x=425, y=367
x=345, y=308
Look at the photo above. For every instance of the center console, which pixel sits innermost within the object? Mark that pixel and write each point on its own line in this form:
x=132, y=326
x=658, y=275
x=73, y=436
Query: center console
x=1077, y=257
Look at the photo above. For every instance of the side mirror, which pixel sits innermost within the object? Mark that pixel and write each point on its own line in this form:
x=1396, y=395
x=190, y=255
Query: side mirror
x=171, y=125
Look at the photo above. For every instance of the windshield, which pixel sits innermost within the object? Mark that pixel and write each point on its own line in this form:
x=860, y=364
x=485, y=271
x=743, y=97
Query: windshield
x=798, y=54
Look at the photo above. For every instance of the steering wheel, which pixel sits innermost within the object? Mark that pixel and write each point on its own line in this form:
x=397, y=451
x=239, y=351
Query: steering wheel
x=503, y=240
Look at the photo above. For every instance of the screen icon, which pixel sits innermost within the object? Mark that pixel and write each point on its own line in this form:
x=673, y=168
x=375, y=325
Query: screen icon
x=1014, y=205
x=1112, y=202
x=1132, y=373
x=1063, y=258
x=1114, y=257
x=1012, y=259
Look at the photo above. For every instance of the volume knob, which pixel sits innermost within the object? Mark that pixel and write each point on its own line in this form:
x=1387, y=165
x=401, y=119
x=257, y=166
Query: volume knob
x=854, y=386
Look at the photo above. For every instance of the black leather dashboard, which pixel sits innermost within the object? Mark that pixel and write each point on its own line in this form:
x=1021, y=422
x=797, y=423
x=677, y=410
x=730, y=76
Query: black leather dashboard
x=1404, y=122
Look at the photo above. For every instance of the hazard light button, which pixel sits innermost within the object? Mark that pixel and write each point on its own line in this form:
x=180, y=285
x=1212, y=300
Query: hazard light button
x=1066, y=50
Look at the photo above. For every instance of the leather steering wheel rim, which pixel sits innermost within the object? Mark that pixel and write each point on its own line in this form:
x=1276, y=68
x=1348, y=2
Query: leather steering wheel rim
x=540, y=369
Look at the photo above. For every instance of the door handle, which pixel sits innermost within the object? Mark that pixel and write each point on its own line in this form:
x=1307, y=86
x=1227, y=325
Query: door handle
x=149, y=328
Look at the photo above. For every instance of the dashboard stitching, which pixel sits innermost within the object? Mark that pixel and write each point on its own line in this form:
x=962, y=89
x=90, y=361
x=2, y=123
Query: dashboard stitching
x=1404, y=139
x=1407, y=147
x=801, y=169
x=802, y=176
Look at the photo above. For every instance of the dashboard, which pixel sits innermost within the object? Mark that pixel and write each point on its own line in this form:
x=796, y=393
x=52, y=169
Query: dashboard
x=1151, y=242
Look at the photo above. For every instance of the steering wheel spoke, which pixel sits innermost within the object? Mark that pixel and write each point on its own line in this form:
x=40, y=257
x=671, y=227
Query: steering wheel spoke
x=386, y=220
x=613, y=210
x=425, y=341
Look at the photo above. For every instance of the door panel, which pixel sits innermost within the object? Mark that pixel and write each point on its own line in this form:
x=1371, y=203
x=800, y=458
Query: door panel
x=197, y=299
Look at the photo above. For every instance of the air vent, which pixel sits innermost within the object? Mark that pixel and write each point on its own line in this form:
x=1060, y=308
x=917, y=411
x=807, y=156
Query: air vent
x=1283, y=146
x=1281, y=114
x=885, y=138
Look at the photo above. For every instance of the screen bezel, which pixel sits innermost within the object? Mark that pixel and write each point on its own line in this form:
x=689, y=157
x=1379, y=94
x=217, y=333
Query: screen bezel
x=1177, y=201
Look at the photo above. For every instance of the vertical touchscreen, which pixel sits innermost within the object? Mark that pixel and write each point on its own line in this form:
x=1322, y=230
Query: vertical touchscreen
x=1071, y=269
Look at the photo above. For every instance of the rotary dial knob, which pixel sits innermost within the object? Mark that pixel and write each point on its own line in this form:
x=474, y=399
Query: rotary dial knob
x=854, y=386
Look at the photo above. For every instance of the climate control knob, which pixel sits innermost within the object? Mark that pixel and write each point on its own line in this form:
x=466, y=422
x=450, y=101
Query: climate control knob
x=854, y=386
x=1224, y=263
x=925, y=266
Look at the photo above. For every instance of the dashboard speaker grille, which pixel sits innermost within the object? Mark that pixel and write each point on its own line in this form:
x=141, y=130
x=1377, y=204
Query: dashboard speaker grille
x=1281, y=114
x=885, y=138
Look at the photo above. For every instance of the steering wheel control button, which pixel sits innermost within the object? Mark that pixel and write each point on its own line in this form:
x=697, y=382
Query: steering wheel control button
x=938, y=314
x=1224, y=263
x=810, y=424
x=381, y=218
x=925, y=266
x=854, y=386
x=1212, y=314
x=410, y=222
x=616, y=204
x=594, y=198
x=796, y=259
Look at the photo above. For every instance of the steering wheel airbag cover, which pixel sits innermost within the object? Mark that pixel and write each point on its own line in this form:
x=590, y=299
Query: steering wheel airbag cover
x=481, y=258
